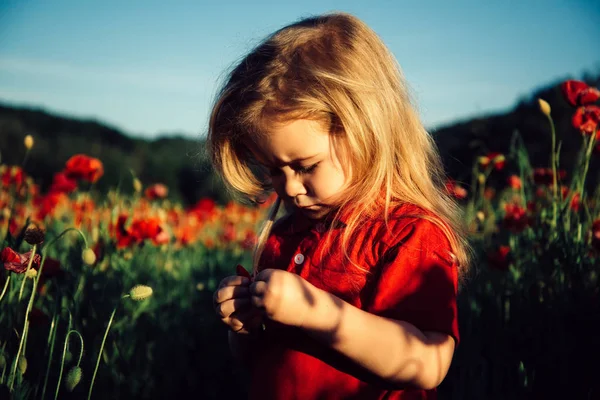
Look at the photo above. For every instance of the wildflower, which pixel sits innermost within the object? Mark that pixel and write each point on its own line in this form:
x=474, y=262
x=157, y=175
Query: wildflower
x=544, y=176
x=156, y=191
x=17, y=262
x=73, y=378
x=480, y=216
x=88, y=256
x=31, y=273
x=587, y=119
x=140, y=292
x=34, y=236
x=499, y=259
x=578, y=93
x=515, y=182
x=544, y=107
x=28, y=142
x=515, y=217
x=596, y=234
x=137, y=185
x=204, y=208
x=455, y=190
x=84, y=167
x=61, y=183
x=496, y=158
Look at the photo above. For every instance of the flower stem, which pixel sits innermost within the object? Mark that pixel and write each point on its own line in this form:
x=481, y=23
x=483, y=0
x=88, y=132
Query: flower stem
x=554, y=178
x=102, y=345
x=586, y=164
x=27, y=270
x=62, y=362
x=5, y=286
x=51, y=342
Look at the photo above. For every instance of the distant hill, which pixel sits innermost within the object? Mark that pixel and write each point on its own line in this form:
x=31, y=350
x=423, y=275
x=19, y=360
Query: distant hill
x=461, y=143
x=180, y=163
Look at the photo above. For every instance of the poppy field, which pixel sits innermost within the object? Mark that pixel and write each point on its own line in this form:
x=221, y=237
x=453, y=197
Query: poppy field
x=110, y=296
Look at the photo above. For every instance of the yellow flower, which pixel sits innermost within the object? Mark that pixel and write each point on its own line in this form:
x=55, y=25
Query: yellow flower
x=31, y=273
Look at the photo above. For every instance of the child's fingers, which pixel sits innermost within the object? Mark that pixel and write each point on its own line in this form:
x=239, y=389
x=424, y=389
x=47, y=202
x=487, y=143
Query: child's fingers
x=228, y=307
x=234, y=280
x=257, y=291
x=230, y=292
x=246, y=319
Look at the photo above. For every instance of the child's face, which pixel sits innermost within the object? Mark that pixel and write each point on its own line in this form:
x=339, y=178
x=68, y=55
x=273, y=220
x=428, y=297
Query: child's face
x=303, y=165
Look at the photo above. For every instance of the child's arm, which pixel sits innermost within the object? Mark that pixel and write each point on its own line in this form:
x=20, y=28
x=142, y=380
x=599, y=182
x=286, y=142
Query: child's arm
x=415, y=281
x=395, y=351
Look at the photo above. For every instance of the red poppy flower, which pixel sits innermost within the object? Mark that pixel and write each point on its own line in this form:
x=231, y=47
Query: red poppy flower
x=544, y=176
x=156, y=191
x=61, y=183
x=499, y=259
x=204, y=207
x=515, y=182
x=455, y=190
x=84, y=167
x=586, y=119
x=516, y=218
x=497, y=158
x=12, y=176
x=579, y=93
x=17, y=262
x=596, y=234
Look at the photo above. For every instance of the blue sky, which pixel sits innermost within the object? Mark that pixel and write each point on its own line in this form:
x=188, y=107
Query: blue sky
x=153, y=67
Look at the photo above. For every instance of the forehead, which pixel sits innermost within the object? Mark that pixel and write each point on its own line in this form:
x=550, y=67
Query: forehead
x=284, y=143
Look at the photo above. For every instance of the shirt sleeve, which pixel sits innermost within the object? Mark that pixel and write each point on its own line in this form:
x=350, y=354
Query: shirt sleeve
x=417, y=279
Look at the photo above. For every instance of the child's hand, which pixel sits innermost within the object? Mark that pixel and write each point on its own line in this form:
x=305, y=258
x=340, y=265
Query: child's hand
x=232, y=304
x=283, y=296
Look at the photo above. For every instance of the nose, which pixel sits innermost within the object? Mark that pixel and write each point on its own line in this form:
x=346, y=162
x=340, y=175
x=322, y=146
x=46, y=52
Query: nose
x=294, y=186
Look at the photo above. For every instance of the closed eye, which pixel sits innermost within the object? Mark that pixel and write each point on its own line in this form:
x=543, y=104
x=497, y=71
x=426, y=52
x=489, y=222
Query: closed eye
x=306, y=170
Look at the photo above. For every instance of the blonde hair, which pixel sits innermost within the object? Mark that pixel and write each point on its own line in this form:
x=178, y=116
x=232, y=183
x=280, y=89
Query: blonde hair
x=333, y=68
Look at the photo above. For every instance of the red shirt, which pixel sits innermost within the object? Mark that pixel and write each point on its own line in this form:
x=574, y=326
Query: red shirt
x=412, y=278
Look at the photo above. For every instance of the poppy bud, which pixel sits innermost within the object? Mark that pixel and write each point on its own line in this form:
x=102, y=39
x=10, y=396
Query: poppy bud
x=73, y=378
x=544, y=107
x=22, y=365
x=137, y=185
x=28, y=142
x=140, y=292
x=34, y=236
x=88, y=256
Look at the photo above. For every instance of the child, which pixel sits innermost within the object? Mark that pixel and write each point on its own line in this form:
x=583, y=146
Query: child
x=353, y=293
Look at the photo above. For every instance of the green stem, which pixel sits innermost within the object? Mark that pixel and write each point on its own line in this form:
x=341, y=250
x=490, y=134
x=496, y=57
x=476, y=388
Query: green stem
x=586, y=164
x=554, y=177
x=62, y=362
x=27, y=270
x=51, y=342
x=5, y=286
x=102, y=346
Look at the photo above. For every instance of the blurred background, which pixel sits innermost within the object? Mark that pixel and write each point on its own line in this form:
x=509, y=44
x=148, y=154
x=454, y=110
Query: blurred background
x=103, y=115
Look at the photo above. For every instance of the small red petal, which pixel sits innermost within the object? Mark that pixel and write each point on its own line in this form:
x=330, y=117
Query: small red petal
x=241, y=271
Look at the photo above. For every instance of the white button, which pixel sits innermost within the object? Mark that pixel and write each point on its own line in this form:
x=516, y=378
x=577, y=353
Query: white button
x=299, y=258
